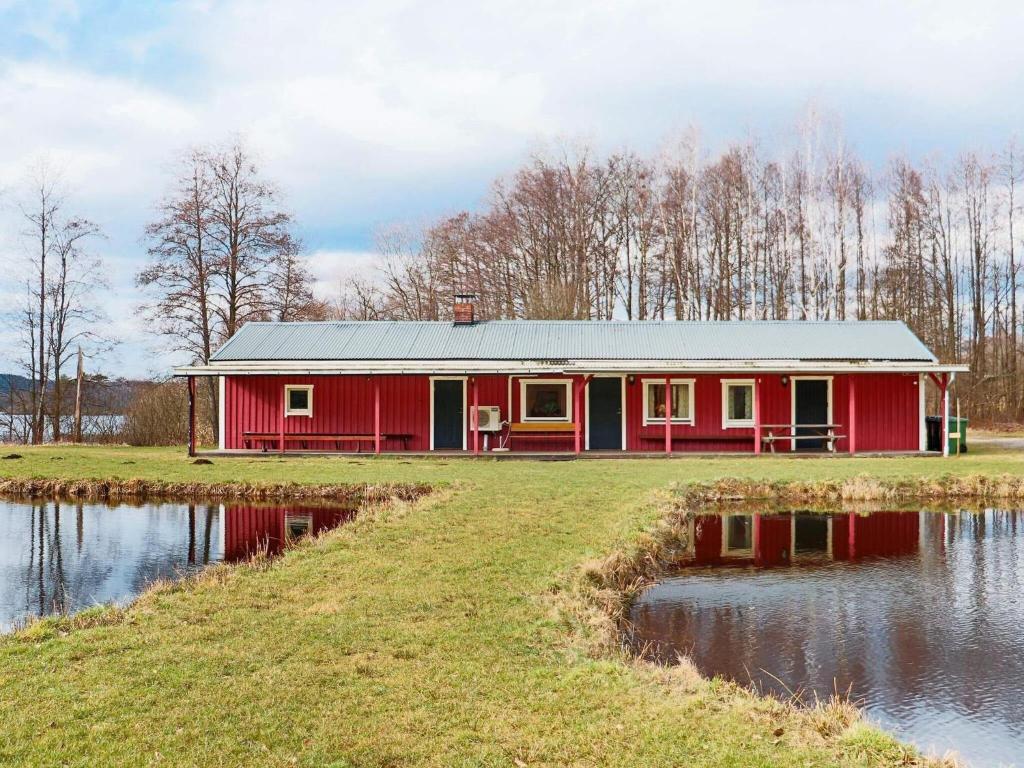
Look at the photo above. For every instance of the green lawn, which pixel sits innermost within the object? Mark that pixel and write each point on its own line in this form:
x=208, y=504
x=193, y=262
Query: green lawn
x=423, y=636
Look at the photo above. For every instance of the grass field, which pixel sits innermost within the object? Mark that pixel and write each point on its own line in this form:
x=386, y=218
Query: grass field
x=423, y=635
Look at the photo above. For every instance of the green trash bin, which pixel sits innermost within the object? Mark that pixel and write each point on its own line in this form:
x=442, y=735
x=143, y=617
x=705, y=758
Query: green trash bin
x=954, y=429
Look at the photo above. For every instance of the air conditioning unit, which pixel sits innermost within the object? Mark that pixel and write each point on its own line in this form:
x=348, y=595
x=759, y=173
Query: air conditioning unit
x=490, y=418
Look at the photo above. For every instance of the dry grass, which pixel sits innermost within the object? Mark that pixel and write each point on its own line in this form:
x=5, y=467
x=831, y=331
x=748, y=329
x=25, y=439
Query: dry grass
x=860, y=488
x=137, y=490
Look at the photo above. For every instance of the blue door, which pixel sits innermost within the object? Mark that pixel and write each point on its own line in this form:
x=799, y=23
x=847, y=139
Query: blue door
x=605, y=398
x=448, y=416
x=811, y=408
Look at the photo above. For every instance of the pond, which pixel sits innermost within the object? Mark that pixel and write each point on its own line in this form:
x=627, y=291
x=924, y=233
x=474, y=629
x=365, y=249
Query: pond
x=919, y=616
x=63, y=556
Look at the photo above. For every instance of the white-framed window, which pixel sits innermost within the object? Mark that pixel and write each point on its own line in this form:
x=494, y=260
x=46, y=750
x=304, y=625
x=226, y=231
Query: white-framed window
x=737, y=535
x=298, y=400
x=546, y=400
x=737, y=403
x=296, y=526
x=654, y=401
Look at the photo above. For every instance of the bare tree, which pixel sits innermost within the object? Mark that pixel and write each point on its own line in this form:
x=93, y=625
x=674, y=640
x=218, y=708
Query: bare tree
x=249, y=238
x=222, y=253
x=290, y=289
x=60, y=311
x=182, y=264
x=40, y=214
x=74, y=316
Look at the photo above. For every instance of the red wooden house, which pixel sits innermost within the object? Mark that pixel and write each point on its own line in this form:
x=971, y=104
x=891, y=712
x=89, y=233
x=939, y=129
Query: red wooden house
x=573, y=386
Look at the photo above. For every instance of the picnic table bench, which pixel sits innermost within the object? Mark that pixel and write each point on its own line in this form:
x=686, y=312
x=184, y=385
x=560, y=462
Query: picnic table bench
x=821, y=432
x=304, y=438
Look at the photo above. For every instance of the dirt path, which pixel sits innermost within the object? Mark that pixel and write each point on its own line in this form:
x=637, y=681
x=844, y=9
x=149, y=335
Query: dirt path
x=994, y=441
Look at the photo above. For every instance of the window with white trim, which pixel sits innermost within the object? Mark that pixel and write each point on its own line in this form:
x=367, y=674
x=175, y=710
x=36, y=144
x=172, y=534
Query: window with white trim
x=654, y=401
x=737, y=535
x=298, y=400
x=737, y=403
x=546, y=400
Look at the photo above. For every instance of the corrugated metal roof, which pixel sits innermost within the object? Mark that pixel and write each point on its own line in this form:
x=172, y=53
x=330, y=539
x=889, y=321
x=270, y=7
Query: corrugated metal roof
x=576, y=340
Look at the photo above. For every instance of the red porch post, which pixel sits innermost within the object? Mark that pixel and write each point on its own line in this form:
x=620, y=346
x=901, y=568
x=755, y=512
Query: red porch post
x=577, y=433
x=191, y=415
x=376, y=415
x=280, y=422
x=851, y=412
x=757, y=418
x=756, y=539
x=476, y=418
x=668, y=415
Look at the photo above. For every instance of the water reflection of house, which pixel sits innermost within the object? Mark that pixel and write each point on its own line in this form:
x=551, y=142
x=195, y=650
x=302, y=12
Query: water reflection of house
x=782, y=539
x=250, y=530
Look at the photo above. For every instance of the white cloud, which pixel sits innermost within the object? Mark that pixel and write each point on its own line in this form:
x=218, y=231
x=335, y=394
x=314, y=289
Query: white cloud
x=332, y=268
x=369, y=111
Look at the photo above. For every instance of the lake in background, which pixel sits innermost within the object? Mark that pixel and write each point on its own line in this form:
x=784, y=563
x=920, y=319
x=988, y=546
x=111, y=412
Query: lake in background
x=63, y=556
x=919, y=615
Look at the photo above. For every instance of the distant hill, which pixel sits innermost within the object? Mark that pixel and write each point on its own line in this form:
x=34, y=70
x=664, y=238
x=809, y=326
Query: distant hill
x=100, y=394
x=15, y=381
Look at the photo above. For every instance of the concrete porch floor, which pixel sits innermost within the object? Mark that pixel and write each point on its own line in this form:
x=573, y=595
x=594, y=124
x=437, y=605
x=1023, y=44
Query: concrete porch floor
x=551, y=455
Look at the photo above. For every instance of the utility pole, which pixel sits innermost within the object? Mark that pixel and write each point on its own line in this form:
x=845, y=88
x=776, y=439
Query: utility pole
x=78, y=398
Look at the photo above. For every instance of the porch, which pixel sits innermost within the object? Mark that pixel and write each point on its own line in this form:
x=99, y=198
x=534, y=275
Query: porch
x=215, y=453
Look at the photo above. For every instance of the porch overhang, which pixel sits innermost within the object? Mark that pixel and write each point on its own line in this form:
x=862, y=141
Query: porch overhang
x=549, y=367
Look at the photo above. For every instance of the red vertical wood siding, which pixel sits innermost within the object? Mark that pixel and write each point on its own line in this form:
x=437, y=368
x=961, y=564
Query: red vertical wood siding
x=887, y=409
x=888, y=412
x=885, y=534
x=251, y=529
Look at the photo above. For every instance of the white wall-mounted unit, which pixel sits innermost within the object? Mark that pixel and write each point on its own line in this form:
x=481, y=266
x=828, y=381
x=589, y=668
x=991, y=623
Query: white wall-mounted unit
x=490, y=418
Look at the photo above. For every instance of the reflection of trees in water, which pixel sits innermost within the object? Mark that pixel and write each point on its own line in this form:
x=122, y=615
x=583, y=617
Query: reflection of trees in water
x=165, y=554
x=45, y=567
x=60, y=575
x=50, y=563
x=207, y=537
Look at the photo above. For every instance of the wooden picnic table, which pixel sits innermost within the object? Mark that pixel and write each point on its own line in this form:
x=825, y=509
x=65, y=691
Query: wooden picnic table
x=826, y=432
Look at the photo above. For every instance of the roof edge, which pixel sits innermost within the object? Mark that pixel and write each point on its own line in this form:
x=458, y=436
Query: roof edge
x=526, y=368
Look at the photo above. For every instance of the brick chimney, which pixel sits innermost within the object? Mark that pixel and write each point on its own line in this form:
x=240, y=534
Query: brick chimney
x=464, y=314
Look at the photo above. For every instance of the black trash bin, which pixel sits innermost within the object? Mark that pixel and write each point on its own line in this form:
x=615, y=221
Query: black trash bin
x=933, y=427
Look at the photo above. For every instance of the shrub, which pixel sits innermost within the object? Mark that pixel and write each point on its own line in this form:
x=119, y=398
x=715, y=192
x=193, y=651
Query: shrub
x=158, y=415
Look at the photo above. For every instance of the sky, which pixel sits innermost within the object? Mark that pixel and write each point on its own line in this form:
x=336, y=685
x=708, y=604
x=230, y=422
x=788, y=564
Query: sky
x=368, y=114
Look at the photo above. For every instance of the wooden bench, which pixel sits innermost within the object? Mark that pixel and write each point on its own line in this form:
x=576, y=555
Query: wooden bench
x=539, y=430
x=823, y=432
x=304, y=438
x=656, y=433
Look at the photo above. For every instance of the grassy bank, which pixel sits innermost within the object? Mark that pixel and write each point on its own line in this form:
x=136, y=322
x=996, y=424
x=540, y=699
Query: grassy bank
x=426, y=634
